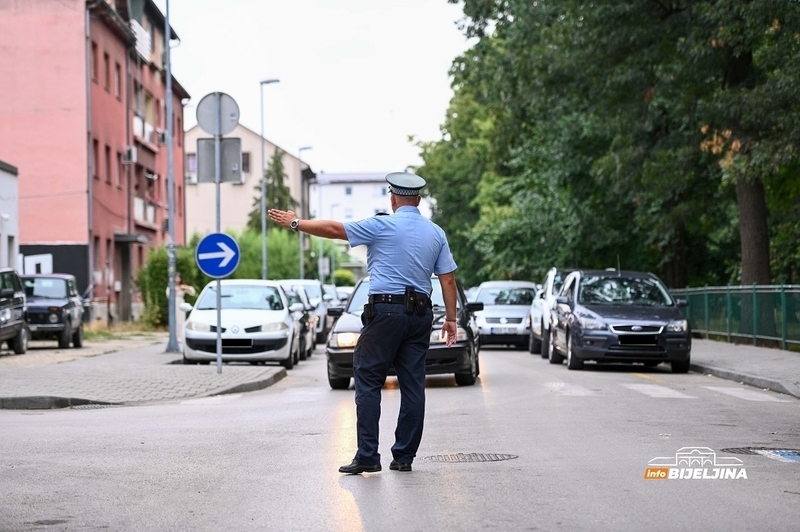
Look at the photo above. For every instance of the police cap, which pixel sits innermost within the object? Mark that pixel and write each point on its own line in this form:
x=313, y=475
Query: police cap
x=404, y=184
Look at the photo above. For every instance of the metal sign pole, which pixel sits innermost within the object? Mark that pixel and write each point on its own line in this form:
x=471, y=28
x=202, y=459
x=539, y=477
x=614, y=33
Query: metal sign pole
x=217, y=176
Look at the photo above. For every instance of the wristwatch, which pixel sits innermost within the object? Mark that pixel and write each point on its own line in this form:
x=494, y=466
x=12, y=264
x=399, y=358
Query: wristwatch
x=294, y=225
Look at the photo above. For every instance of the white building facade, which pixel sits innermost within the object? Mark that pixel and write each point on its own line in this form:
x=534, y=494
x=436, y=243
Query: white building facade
x=9, y=216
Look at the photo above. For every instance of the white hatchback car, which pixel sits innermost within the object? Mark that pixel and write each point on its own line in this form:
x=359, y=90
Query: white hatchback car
x=256, y=322
x=505, y=318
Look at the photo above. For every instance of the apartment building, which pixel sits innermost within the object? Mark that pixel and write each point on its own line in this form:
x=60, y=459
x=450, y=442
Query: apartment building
x=9, y=217
x=82, y=100
x=236, y=199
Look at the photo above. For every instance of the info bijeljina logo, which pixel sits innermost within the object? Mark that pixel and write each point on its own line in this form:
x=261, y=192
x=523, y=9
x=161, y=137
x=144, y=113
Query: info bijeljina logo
x=695, y=463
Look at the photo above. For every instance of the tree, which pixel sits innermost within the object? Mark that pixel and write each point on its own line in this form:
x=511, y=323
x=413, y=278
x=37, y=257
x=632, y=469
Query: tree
x=278, y=195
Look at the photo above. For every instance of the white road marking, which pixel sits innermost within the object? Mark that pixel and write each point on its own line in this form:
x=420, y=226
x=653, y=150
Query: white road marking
x=562, y=388
x=658, y=391
x=747, y=395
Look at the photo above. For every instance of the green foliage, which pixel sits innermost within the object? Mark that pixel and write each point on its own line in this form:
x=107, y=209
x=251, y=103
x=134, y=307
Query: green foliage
x=153, y=280
x=277, y=194
x=343, y=277
x=586, y=135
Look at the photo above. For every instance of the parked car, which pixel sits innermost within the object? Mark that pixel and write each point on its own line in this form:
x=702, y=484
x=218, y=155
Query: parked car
x=55, y=308
x=13, y=311
x=618, y=316
x=505, y=318
x=256, y=321
x=303, y=317
x=344, y=293
x=460, y=359
x=539, y=339
x=319, y=300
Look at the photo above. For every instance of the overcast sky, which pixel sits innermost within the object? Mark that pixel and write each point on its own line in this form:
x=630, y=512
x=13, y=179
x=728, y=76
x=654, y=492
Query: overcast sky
x=357, y=77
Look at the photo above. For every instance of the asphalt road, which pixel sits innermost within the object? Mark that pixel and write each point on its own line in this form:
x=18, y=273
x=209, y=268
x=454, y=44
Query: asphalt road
x=530, y=447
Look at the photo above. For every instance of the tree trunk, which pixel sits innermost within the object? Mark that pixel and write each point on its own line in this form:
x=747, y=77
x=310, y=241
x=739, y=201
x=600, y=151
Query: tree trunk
x=754, y=235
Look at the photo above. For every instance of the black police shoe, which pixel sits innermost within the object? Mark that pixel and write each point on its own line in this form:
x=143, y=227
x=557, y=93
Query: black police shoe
x=355, y=467
x=398, y=466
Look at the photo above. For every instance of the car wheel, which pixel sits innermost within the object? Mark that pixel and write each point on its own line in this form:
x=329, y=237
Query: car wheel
x=20, y=342
x=188, y=362
x=77, y=337
x=681, y=367
x=573, y=362
x=339, y=383
x=64, y=337
x=289, y=362
x=468, y=378
x=552, y=353
x=545, y=344
x=534, y=345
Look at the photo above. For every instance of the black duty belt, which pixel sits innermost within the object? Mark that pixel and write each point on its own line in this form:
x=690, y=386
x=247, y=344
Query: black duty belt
x=398, y=299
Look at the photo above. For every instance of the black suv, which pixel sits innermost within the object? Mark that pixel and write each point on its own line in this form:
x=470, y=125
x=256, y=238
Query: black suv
x=13, y=310
x=55, y=309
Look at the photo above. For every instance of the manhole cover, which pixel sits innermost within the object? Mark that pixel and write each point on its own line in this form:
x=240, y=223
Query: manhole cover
x=470, y=457
x=776, y=453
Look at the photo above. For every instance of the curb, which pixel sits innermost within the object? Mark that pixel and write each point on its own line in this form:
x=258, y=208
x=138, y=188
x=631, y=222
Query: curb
x=751, y=380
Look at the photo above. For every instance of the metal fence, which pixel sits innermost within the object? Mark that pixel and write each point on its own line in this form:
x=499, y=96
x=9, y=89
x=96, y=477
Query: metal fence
x=761, y=314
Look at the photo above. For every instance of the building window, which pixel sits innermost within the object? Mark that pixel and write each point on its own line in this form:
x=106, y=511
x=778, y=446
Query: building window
x=107, y=72
x=118, y=81
x=179, y=132
x=348, y=191
x=94, y=62
x=108, y=164
x=180, y=200
x=191, y=163
x=120, y=169
x=246, y=163
x=95, y=158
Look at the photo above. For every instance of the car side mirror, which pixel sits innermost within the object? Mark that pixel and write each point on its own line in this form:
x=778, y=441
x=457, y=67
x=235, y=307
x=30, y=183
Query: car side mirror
x=296, y=307
x=474, y=306
x=335, y=312
x=186, y=307
x=681, y=303
x=6, y=293
x=562, y=300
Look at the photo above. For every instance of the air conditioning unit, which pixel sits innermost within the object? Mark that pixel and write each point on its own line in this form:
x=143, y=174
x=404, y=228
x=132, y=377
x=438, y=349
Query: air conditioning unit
x=191, y=179
x=161, y=137
x=129, y=157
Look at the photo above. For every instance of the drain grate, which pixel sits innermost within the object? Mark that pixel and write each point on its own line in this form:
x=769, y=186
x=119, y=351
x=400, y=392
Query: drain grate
x=470, y=457
x=93, y=406
x=776, y=453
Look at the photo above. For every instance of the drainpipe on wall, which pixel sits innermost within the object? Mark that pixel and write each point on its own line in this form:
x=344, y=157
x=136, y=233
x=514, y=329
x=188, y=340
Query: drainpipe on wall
x=89, y=158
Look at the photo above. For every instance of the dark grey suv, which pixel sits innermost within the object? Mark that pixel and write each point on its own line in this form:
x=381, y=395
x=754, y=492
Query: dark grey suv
x=55, y=308
x=13, y=311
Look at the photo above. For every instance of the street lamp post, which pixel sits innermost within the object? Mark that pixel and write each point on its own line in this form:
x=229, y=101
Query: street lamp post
x=302, y=200
x=264, y=184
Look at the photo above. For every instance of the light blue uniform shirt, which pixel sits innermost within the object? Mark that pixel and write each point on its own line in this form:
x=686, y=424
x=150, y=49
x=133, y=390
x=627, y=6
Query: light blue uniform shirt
x=403, y=249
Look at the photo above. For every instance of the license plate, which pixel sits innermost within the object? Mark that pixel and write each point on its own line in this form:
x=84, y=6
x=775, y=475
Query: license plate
x=32, y=327
x=503, y=330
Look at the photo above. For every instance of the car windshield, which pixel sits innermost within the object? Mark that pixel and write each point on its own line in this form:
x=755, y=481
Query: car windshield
x=242, y=296
x=602, y=290
x=313, y=291
x=558, y=280
x=44, y=287
x=361, y=293
x=506, y=295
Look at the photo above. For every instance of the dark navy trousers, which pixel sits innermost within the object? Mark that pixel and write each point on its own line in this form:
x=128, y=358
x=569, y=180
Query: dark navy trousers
x=391, y=338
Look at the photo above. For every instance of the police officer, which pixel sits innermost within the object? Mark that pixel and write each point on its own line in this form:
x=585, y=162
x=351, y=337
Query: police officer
x=403, y=251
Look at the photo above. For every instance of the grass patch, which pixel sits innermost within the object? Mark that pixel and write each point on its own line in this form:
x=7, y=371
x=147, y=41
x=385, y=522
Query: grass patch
x=99, y=330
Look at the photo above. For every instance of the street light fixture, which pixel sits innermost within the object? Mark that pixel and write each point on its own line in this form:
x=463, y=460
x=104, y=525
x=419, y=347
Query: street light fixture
x=264, y=183
x=302, y=200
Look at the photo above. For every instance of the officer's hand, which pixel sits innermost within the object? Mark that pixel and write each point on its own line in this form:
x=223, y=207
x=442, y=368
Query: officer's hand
x=283, y=218
x=450, y=331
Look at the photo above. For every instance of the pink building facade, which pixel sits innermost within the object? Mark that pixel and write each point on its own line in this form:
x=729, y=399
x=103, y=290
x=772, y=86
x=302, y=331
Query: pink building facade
x=82, y=115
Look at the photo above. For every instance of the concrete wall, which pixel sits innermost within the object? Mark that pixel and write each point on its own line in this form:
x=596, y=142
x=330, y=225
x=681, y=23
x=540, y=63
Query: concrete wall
x=9, y=216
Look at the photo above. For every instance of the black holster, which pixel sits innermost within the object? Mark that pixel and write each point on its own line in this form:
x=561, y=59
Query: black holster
x=416, y=302
x=368, y=314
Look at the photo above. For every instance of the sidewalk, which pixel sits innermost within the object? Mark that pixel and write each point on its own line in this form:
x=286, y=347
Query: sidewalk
x=118, y=372
x=136, y=371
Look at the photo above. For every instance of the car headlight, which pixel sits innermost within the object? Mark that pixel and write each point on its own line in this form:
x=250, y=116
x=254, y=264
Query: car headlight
x=591, y=324
x=678, y=326
x=437, y=336
x=273, y=326
x=197, y=326
x=344, y=339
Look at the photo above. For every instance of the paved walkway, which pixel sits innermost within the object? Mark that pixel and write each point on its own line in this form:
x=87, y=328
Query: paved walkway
x=136, y=370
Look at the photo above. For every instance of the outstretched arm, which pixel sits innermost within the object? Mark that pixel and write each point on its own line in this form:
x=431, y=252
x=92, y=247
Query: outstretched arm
x=450, y=294
x=321, y=228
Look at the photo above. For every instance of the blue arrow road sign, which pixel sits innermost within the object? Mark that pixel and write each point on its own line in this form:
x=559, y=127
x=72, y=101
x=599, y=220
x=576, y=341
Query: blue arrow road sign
x=217, y=255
